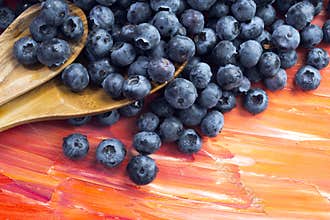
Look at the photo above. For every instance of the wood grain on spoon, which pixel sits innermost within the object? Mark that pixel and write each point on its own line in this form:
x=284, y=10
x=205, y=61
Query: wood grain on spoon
x=16, y=79
x=55, y=101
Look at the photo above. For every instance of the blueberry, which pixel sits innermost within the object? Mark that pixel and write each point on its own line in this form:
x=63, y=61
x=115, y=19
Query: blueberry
x=136, y=87
x=277, y=82
x=300, y=15
x=227, y=102
x=75, y=146
x=106, y=2
x=255, y=101
x=101, y=17
x=99, y=43
x=166, y=22
x=318, y=6
x=205, y=41
x=53, y=52
x=288, y=58
x=79, y=121
x=212, y=124
x=308, y=78
x=253, y=74
x=161, y=107
x=252, y=29
x=224, y=53
x=73, y=28
x=283, y=5
x=229, y=77
x=318, y=58
x=265, y=39
x=139, y=12
x=180, y=93
x=311, y=35
x=182, y=7
x=181, y=49
x=86, y=5
x=201, y=5
x=249, y=53
x=127, y=33
x=269, y=64
x=190, y=64
x=148, y=122
x=219, y=9
x=55, y=11
x=244, y=10
x=25, y=51
x=146, y=36
x=326, y=31
x=108, y=118
x=40, y=30
x=142, y=170
x=285, y=38
x=160, y=70
x=76, y=77
x=123, y=54
x=110, y=152
x=267, y=13
x=139, y=67
x=113, y=85
x=165, y=5
x=189, y=142
x=193, y=115
x=244, y=86
x=227, y=28
x=276, y=24
x=99, y=70
x=146, y=142
x=209, y=97
x=200, y=75
x=120, y=16
x=159, y=51
x=193, y=21
x=7, y=16
x=132, y=109
x=170, y=129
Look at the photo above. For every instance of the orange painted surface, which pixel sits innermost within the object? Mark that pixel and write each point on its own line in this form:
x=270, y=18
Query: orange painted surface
x=272, y=166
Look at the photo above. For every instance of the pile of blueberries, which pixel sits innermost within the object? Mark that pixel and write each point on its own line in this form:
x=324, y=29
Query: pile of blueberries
x=227, y=44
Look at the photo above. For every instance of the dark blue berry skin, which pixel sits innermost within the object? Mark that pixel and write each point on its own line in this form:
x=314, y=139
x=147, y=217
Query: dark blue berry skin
x=249, y=53
x=308, y=78
x=108, y=118
x=170, y=129
x=212, y=124
x=190, y=64
x=180, y=93
x=255, y=101
x=127, y=33
x=318, y=58
x=55, y=11
x=288, y=58
x=42, y=31
x=7, y=16
x=276, y=24
x=318, y=6
x=277, y=82
x=146, y=142
x=139, y=12
x=200, y=75
x=182, y=7
x=181, y=49
x=311, y=35
x=160, y=70
x=267, y=13
x=265, y=39
x=300, y=15
x=75, y=146
x=224, y=53
x=193, y=115
x=161, y=107
x=189, y=142
x=205, y=41
x=209, y=97
x=142, y=170
x=132, y=109
x=99, y=43
x=101, y=17
x=86, y=5
x=252, y=29
x=146, y=36
x=283, y=5
x=76, y=77
x=110, y=152
x=244, y=86
x=99, y=70
x=227, y=102
x=253, y=74
x=139, y=67
x=227, y=28
x=285, y=38
x=201, y=5
x=53, y=52
x=244, y=10
x=148, y=122
x=166, y=23
x=159, y=51
x=269, y=64
x=79, y=121
x=123, y=54
x=106, y=2
x=136, y=87
x=326, y=31
x=219, y=9
x=73, y=28
x=229, y=77
x=193, y=21
x=260, y=3
x=181, y=31
x=25, y=51
x=165, y=5
x=113, y=85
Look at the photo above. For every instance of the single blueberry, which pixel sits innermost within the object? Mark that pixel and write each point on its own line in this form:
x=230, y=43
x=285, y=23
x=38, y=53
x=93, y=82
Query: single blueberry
x=189, y=142
x=285, y=38
x=181, y=49
x=136, y=87
x=146, y=36
x=110, y=152
x=311, y=35
x=209, y=97
x=161, y=70
x=146, y=142
x=73, y=28
x=123, y=54
x=200, y=75
x=142, y=170
x=249, y=53
x=76, y=77
x=288, y=58
x=166, y=22
x=300, y=14
x=53, y=52
x=308, y=78
x=193, y=21
x=252, y=29
x=99, y=70
x=25, y=51
x=148, y=122
x=227, y=28
x=42, y=31
x=227, y=102
x=170, y=129
x=269, y=64
x=255, y=101
x=205, y=41
x=108, y=118
x=55, y=11
x=277, y=82
x=229, y=77
x=139, y=12
x=113, y=85
x=224, y=53
x=99, y=43
x=101, y=17
x=318, y=58
x=212, y=123
x=75, y=146
x=267, y=13
x=244, y=10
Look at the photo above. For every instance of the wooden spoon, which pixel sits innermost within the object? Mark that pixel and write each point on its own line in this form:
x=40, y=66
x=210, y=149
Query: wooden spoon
x=55, y=101
x=15, y=79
